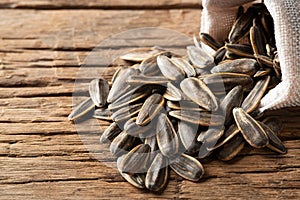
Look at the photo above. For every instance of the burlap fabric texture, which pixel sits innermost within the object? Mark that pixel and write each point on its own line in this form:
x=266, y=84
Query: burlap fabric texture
x=217, y=19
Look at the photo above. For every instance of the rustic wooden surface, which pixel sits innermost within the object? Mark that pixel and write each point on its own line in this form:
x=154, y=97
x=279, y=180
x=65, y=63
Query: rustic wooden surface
x=43, y=43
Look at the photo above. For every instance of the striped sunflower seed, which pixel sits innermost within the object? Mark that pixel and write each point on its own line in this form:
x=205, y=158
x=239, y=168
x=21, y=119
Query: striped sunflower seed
x=187, y=167
x=196, y=117
x=252, y=101
x=150, y=109
x=252, y=131
x=199, y=93
x=99, y=90
x=137, y=180
x=185, y=66
x=110, y=133
x=82, y=109
x=122, y=144
x=169, y=69
x=135, y=160
x=119, y=85
x=200, y=58
x=244, y=66
x=167, y=138
x=233, y=99
x=157, y=174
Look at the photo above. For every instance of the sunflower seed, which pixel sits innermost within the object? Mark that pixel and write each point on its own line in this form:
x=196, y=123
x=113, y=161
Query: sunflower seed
x=126, y=113
x=243, y=66
x=209, y=139
x=229, y=150
x=135, y=160
x=169, y=69
x=150, y=109
x=274, y=124
x=233, y=99
x=138, y=55
x=257, y=41
x=188, y=134
x=99, y=90
x=228, y=135
x=275, y=143
x=240, y=12
x=252, y=101
x=157, y=174
x=116, y=74
x=144, y=80
x=187, y=167
x=262, y=72
x=219, y=55
x=152, y=142
x=149, y=66
x=264, y=60
x=196, y=117
x=103, y=113
x=137, y=180
x=133, y=129
x=218, y=82
x=184, y=105
x=122, y=144
x=167, y=138
x=253, y=133
x=242, y=50
x=110, y=133
x=268, y=27
x=130, y=97
x=119, y=84
x=210, y=41
x=199, y=93
x=185, y=66
x=200, y=58
x=242, y=25
x=82, y=109
x=173, y=93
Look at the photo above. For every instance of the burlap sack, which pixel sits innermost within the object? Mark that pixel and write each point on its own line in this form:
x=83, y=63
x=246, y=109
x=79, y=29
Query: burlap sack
x=217, y=19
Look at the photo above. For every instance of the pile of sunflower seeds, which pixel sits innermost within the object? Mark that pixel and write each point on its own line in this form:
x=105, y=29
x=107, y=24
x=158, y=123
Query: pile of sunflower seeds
x=170, y=112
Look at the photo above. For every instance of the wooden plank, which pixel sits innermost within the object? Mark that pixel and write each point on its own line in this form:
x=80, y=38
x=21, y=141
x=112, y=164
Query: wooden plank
x=82, y=189
x=100, y=4
x=63, y=30
x=250, y=174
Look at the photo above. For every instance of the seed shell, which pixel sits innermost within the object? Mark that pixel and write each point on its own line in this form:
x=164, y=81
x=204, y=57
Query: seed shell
x=99, y=90
x=110, y=133
x=137, y=180
x=252, y=131
x=252, y=101
x=200, y=58
x=167, y=138
x=150, y=109
x=199, y=93
x=157, y=175
x=233, y=99
x=135, y=160
x=185, y=66
x=169, y=69
x=243, y=65
x=187, y=167
x=82, y=109
x=275, y=143
x=122, y=144
x=196, y=117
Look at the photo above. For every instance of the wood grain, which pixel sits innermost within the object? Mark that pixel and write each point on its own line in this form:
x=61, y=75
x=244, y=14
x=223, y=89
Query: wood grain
x=44, y=156
x=100, y=4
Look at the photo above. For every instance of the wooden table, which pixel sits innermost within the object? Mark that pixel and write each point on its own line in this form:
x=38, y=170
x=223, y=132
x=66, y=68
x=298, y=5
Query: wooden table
x=43, y=43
